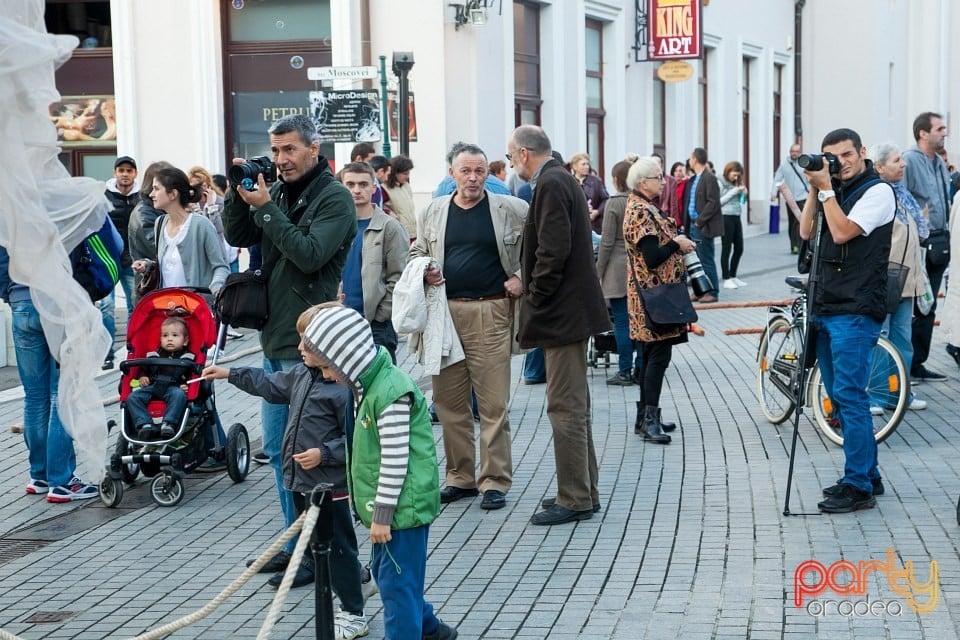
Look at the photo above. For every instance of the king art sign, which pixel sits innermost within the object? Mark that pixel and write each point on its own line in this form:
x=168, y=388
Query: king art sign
x=676, y=29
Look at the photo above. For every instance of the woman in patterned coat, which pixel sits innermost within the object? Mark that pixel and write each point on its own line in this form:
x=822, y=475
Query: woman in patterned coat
x=654, y=256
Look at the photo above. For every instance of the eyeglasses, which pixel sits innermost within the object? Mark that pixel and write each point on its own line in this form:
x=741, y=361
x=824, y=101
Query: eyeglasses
x=509, y=156
x=657, y=178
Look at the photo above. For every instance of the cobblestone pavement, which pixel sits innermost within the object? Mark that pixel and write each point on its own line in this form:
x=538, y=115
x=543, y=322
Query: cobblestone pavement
x=691, y=541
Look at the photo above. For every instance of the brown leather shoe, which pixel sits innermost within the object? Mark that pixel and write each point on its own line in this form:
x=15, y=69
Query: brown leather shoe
x=694, y=297
x=708, y=298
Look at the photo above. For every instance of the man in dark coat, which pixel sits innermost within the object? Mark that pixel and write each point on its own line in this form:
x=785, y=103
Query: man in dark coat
x=560, y=308
x=702, y=217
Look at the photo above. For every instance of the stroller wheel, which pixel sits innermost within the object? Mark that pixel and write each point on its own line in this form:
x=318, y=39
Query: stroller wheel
x=111, y=491
x=238, y=452
x=167, y=489
x=129, y=471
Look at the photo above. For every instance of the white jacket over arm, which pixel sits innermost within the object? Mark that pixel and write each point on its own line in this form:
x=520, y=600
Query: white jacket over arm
x=420, y=311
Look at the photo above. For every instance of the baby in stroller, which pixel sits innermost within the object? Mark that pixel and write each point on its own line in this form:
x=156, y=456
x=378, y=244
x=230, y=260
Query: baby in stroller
x=167, y=383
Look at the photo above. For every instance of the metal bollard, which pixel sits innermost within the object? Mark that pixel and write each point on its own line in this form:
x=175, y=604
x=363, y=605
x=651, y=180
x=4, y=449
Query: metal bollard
x=322, y=497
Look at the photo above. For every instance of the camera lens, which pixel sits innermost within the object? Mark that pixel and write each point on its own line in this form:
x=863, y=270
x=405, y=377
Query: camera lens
x=810, y=161
x=699, y=279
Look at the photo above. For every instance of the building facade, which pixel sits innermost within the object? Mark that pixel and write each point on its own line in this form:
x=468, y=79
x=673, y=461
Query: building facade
x=199, y=81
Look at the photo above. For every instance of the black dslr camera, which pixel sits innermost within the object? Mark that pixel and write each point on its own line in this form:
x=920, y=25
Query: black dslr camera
x=245, y=175
x=814, y=162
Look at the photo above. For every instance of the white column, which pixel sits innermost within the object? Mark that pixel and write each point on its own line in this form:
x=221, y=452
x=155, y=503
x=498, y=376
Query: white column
x=124, y=79
x=206, y=90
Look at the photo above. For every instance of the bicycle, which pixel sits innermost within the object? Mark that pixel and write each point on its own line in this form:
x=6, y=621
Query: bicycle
x=778, y=368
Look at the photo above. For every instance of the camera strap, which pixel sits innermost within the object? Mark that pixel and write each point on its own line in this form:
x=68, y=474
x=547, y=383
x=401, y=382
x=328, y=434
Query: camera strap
x=803, y=180
x=862, y=187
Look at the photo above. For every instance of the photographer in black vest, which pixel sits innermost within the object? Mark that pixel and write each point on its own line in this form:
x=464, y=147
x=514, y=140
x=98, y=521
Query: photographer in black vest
x=849, y=300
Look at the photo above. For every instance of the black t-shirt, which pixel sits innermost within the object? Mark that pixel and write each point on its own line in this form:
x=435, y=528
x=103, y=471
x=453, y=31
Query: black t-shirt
x=471, y=263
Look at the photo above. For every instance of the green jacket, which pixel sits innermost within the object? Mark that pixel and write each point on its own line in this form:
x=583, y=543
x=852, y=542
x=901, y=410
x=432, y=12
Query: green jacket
x=304, y=259
x=419, y=504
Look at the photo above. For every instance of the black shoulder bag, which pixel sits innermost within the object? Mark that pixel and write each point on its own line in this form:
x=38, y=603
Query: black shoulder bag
x=666, y=307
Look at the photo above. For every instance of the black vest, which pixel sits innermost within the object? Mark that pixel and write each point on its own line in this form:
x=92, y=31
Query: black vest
x=853, y=275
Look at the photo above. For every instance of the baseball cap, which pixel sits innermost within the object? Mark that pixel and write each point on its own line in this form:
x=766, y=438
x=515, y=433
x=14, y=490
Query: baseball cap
x=125, y=160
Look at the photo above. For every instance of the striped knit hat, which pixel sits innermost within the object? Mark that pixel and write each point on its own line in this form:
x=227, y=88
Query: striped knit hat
x=342, y=337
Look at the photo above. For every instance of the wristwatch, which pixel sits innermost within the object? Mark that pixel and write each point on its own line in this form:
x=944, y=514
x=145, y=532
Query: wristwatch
x=823, y=196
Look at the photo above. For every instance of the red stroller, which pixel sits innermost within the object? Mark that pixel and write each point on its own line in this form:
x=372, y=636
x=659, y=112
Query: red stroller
x=168, y=460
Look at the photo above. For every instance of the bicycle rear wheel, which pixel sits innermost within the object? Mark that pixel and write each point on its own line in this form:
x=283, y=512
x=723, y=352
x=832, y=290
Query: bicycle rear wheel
x=887, y=387
x=778, y=364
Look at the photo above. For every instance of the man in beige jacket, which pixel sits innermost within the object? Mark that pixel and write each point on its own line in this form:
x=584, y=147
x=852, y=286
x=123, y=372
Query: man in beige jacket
x=475, y=237
x=376, y=259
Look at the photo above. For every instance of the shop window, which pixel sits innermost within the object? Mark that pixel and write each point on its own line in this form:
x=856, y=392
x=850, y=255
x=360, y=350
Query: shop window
x=595, y=112
x=270, y=20
x=526, y=63
x=89, y=21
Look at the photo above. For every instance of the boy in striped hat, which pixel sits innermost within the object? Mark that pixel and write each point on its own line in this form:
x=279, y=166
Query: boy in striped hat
x=392, y=465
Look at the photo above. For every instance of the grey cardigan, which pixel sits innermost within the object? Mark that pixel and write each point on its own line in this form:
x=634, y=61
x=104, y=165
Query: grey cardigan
x=200, y=251
x=612, y=254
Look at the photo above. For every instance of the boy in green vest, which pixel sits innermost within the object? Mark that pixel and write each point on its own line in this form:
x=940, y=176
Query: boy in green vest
x=392, y=466
x=313, y=452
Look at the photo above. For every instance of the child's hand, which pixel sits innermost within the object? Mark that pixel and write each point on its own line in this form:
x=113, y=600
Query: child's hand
x=144, y=381
x=215, y=372
x=183, y=388
x=308, y=459
x=380, y=533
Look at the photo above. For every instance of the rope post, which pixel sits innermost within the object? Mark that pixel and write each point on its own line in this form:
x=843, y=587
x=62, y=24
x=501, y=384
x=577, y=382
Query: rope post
x=320, y=537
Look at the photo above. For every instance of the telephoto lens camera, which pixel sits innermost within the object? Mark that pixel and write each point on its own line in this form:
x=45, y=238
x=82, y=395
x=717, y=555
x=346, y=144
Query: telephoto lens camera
x=699, y=279
x=814, y=162
x=245, y=175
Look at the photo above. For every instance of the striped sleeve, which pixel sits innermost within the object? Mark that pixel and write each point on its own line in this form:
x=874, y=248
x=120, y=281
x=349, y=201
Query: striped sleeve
x=394, y=427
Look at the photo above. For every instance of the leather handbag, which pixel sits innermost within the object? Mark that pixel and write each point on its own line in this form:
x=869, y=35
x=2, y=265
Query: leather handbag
x=149, y=279
x=667, y=307
x=938, y=247
x=242, y=301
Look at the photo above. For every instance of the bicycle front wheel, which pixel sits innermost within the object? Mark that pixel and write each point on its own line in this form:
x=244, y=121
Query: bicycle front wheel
x=887, y=388
x=778, y=364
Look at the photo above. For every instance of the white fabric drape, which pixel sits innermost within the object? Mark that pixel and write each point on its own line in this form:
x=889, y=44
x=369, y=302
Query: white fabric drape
x=44, y=213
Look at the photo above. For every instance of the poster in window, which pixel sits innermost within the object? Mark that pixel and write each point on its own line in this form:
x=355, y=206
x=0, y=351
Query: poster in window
x=676, y=29
x=346, y=116
x=395, y=116
x=83, y=121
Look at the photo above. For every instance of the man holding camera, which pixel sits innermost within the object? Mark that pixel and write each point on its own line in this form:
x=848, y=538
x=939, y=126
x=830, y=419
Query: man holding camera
x=702, y=218
x=305, y=224
x=849, y=302
x=928, y=180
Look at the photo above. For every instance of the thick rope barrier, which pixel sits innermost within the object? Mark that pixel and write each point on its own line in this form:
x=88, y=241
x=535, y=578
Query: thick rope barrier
x=310, y=516
x=273, y=615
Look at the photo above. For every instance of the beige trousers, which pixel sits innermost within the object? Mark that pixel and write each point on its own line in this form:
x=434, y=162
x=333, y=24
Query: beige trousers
x=484, y=330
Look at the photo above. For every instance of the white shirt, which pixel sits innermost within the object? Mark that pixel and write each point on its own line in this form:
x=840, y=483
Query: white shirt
x=171, y=263
x=875, y=209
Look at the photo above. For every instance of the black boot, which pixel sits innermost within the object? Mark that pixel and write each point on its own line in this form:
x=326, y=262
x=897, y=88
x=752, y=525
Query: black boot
x=638, y=424
x=652, y=429
x=666, y=426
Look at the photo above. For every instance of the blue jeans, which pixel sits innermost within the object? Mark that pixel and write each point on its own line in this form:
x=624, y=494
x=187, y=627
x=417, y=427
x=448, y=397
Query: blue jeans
x=898, y=329
x=108, y=307
x=173, y=397
x=274, y=423
x=844, y=344
x=126, y=283
x=384, y=335
x=707, y=252
x=50, y=448
x=626, y=348
x=534, y=366
x=400, y=568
